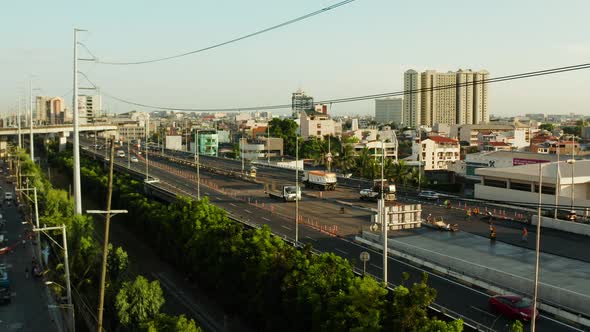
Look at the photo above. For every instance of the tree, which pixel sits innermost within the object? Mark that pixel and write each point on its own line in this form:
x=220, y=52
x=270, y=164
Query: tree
x=408, y=310
x=546, y=126
x=516, y=326
x=138, y=302
x=117, y=262
x=345, y=158
x=287, y=130
x=168, y=323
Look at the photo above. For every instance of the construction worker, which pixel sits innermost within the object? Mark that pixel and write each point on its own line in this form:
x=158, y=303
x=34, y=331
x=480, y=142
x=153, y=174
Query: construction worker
x=468, y=214
x=525, y=234
x=492, y=233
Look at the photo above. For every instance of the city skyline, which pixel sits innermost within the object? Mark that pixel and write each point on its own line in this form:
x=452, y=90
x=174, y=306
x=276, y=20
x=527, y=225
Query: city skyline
x=345, y=55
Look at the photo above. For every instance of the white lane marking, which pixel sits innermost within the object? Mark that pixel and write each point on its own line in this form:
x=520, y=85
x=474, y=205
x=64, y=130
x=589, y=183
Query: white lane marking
x=376, y=266
x=286, y=227
x=208, y=194
x=311, y=238
x=232, y=204
x=342, y=251
x=217, y=198
x=483, y=311
x=265, y=219
x=560, y=323
x=247, y=211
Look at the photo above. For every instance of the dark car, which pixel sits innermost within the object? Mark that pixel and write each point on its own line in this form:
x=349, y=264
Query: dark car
x=512, y=306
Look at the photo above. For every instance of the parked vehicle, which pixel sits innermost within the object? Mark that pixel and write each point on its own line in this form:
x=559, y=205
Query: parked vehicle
x=512, y=306
x=8, y=196
x=287, y=193
x=134, y=159
x=428, y=194
x=373, y=194
x=4, y=285
x=121, y=153
x=320, y=180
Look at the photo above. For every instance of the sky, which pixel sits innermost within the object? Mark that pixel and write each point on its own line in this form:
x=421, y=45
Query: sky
x=358, y=49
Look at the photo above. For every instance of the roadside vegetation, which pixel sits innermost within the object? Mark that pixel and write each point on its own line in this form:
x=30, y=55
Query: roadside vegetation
x=130, y=304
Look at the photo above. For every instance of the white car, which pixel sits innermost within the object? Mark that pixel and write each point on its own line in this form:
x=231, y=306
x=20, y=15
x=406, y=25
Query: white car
x=7, y=196
x=428, y=194
x=134, y=159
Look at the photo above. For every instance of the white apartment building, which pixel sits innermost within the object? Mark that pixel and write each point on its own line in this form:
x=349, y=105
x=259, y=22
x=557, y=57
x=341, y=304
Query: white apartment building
x=314, y=124
x=376, y=149
x=469, y=132
x=388, y=110
x=436, y=152
x=448, y=98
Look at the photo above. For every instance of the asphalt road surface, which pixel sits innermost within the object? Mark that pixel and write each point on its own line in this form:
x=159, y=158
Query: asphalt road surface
x=232, y=195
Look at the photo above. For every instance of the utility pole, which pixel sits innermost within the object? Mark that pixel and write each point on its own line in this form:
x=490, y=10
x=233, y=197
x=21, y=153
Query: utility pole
x=557, y=181
x=20, y=143
x=67, y=269
x=128, y=155
x=32, y=145
x=147, y=152
x=242, y=151
x=34, y=189
x=105, y=250
x=419, y=159
x=537, y=251
x=268, y=145
x=573, y=163
x=382, y=212
x=76, y=152
x=197, y=163
x=296, y=189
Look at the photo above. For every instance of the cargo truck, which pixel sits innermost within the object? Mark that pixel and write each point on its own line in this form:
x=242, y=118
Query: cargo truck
x=286, y=193
x=320, y=180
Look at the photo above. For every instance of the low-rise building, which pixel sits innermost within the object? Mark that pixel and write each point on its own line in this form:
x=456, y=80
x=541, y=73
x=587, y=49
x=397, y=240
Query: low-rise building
x=520, y=184
x=261, y=148
x=376, y=149
x=436, y=152
x=315, y=124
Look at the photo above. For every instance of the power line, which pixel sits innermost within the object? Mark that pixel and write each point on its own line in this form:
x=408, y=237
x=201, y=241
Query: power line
x=259, y=32
x=544, y=72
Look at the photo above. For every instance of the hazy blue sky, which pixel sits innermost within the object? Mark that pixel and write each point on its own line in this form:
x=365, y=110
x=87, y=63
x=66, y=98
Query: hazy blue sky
x=361, y=48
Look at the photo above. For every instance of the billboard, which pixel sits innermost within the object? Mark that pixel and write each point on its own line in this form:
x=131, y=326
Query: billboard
x=523, y=161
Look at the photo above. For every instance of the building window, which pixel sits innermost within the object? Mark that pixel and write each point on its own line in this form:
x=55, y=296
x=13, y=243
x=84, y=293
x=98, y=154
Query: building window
x=319, y=125
x=494, y=183
x=520, y=186
x=319, y=133
x=546, y=190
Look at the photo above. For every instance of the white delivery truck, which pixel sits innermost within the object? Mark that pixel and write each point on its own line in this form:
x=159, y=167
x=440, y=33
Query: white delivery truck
x=286, y=193
x=319, y=179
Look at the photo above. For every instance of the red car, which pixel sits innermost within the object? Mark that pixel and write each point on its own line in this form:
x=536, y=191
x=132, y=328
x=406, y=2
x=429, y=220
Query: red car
x=513, y=306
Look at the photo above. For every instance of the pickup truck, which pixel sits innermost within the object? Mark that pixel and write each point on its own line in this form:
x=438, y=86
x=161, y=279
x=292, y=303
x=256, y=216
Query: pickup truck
x=286, y=193
x=373, y=194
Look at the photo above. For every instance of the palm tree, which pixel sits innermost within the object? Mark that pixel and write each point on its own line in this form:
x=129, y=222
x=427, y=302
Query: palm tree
x=345, y=160
x=399, y=172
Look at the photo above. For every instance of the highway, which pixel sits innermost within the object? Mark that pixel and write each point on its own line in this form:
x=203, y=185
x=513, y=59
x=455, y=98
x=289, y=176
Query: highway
x=232, y=195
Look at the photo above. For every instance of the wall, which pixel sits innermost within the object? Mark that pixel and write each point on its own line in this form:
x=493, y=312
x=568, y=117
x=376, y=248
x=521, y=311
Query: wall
x=174, y=142
x=563, y=225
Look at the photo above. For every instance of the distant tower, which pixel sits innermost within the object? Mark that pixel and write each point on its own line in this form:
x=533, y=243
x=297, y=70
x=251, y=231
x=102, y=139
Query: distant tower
x=300, y=102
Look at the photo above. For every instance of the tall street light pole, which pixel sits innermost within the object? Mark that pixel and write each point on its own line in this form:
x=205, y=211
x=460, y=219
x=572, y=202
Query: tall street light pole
x=20, y=144
x=296, y=188
x=268, y=144
x=537, y=250
x=557, y=182
x=32, y=144
x=573, y=162
x=76, y=148
x=197, y=163
x=382, y=212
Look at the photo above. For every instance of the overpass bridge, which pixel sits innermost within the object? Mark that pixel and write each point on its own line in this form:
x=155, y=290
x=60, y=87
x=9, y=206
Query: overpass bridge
x=62, y=131
x=56, y=129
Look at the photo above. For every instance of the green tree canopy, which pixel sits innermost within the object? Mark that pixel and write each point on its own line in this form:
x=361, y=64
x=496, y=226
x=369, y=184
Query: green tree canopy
x=138, y=302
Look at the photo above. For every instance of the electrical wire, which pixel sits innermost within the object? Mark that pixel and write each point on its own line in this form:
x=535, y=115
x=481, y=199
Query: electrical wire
x=511, y=77
x=256, y=33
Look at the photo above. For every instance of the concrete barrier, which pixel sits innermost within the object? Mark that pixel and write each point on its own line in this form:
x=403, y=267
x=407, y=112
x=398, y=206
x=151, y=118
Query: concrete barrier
x=497, y=280
x=563, y=225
